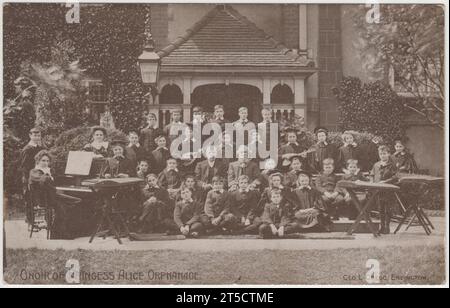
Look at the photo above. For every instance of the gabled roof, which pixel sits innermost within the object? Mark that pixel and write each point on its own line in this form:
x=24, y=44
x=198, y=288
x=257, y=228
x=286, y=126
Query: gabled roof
x=224, y=38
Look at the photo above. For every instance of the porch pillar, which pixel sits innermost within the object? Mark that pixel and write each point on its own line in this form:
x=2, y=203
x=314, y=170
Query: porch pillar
x=186, y=99
x=266, y=91
x=300, y=97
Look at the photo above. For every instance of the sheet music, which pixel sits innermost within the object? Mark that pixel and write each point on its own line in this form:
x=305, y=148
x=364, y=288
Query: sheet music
x=79, y=162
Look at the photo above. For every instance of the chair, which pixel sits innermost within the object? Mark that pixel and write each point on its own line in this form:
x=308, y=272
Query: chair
x=41, y=215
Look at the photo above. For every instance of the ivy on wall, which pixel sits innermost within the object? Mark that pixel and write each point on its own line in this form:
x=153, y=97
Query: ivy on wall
x=107, y=42
x=370, y=107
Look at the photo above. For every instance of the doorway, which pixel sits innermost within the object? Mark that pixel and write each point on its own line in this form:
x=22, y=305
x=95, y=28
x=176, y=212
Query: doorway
x=232, y=97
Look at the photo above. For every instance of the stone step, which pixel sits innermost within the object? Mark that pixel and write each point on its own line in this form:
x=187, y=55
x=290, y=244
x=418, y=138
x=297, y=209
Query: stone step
x=343, y=225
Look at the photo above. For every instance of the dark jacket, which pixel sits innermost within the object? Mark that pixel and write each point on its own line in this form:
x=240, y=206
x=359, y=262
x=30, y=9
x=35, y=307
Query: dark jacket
x=114, y=166
x=27, y=161
x=186, y=213
x=148, y=136
x=205, y=173
x=235, y=170
x=323, y=151
x=242, y=204
x=215, y=204
x=274, y=214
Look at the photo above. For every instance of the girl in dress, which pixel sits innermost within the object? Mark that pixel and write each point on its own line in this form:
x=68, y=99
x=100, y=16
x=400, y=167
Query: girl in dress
x=99, y=145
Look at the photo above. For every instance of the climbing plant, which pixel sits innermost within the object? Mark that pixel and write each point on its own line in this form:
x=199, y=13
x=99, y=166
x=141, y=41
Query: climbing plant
x=371, y=107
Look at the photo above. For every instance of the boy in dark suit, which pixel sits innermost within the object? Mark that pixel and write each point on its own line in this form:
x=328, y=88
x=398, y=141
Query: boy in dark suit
x=277, y=220
x=170, y=178
x=241, y=207
x=159, y=155
x=157, y=208
x=243, y=166
x=134, y=151
x=333, y=197
x=324, y=149
x=118, y=165
x=207, y=169
x=403, y=159
x=350, y=150
x=213, y=218
x=149, y=133
x=186, y=215
x=384, y=171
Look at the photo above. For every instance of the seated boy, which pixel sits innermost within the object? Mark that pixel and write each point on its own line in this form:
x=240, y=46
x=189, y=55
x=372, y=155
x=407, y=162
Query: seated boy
x=118, y=165
x=309, y=210
x=157, y=208
x=349, y=150
x=198, y=193
x=353, y=173
x=291, y=148
x=384, y=171
x=143, y=169
x=290, y=178
x=170, y=178
x=214, y=210
x=275, y=182
x=277, y=220
x=243, y=166
x=160, y=154
x=326, y=184
x=241, y=206
x=186, y=215
x=324, y=149
x=403, y=159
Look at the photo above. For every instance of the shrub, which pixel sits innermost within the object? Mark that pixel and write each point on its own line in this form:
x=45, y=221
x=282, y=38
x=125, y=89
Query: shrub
x=373, y=107
x=76, y=138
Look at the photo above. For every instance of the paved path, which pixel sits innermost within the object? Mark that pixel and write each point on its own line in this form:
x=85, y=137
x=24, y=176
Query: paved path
x=17, y=237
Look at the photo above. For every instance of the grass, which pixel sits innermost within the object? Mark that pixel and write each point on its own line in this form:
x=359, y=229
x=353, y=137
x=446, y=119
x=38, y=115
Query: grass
x=420, y=265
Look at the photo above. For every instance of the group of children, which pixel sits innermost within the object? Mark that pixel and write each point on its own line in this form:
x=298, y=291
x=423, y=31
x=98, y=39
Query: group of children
x=234, y=196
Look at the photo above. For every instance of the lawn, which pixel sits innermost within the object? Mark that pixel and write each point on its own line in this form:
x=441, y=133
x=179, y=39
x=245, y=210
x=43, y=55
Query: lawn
x=415, y=265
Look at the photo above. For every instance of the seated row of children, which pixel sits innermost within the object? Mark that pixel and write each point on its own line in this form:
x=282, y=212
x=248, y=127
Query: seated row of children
x=289, y=203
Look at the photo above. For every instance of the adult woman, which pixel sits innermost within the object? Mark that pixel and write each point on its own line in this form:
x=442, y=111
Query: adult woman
x=44, y=192
x=99, y=145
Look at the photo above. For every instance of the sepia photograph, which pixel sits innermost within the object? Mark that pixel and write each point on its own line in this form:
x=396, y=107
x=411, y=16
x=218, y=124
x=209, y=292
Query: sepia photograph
x=256, y=144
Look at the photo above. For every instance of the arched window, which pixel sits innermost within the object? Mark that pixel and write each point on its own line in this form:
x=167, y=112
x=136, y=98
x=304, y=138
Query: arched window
x=281, y=94
x=171, y=94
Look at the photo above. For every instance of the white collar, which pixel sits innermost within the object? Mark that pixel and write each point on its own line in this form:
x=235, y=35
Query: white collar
x=219, y=191
x=164, y=148
x=167, y=169
x=152, y=127
x=33, y=144
x=325, y=143
x=294, y=143
x=137, y=145
x=243, y=190
x=117, y=156
x=97, y=145
x=353, y=144
x=219, y=119
x=211, y=164
x=307, y=187
x=45, y=170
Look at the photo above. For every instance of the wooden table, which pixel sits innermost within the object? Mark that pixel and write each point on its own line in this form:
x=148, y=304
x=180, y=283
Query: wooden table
x=375, y=190
x=413, y=207
x=108, y=189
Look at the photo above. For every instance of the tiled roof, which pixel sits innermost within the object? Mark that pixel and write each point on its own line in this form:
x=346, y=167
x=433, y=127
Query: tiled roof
x=223, y=37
